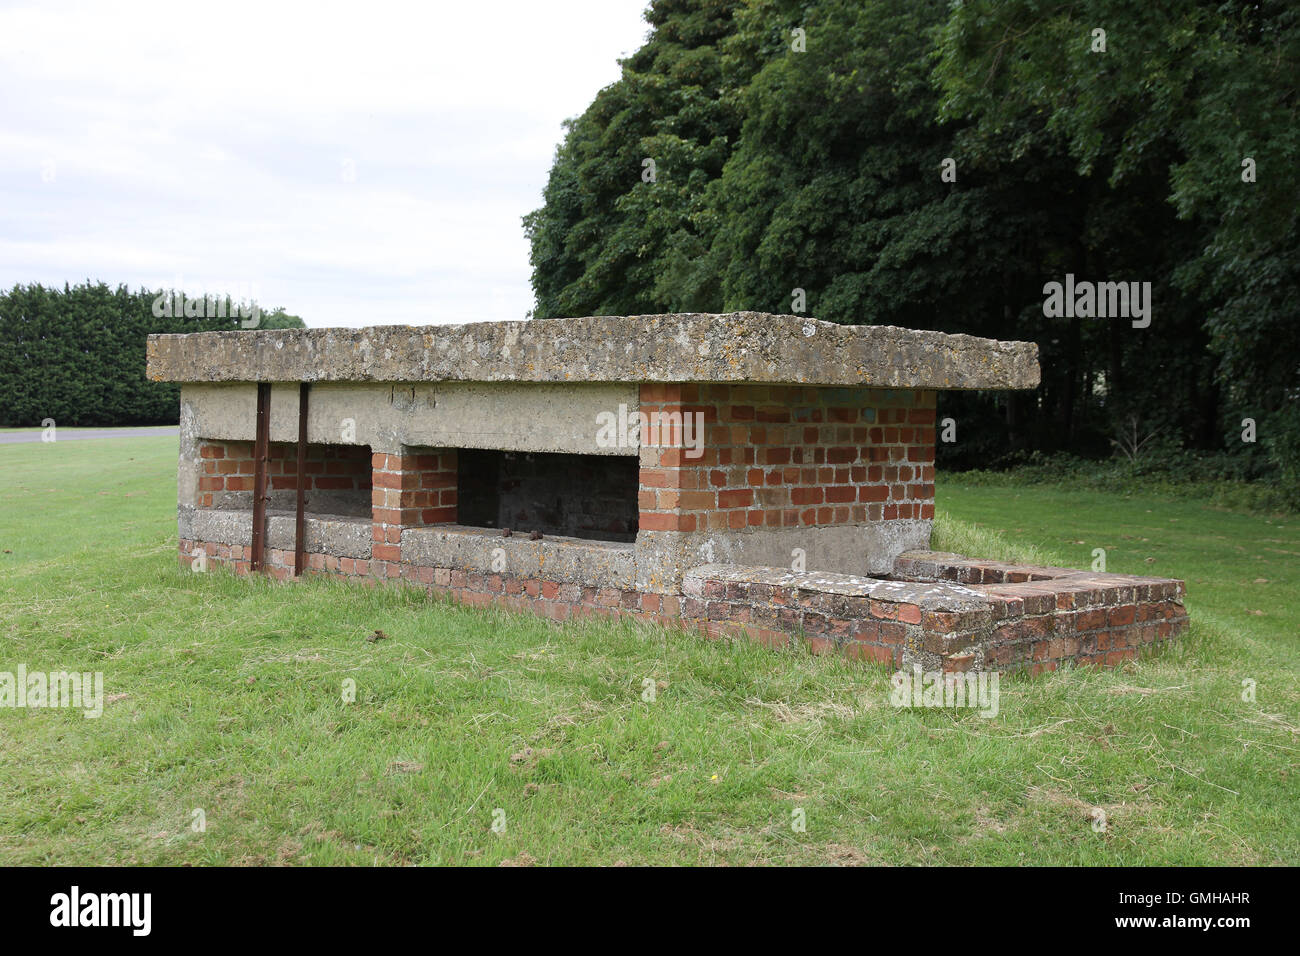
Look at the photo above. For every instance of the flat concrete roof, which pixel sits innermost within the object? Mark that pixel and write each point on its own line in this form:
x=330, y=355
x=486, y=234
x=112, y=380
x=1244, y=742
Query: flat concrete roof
x=689, y=347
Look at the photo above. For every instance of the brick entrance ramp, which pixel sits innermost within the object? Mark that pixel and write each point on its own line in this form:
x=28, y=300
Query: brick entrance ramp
x=943, y=612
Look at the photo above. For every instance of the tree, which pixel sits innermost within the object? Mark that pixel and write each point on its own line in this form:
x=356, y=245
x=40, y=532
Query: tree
x=1193, y=101
x=624, y=193
x=804, y=144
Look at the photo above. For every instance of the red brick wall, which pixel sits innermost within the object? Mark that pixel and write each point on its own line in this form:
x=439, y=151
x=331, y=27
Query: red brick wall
x=410, y=491
x=778, y=456
x=227, y=466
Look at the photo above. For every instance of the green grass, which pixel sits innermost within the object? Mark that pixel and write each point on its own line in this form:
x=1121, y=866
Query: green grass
x=225, y=696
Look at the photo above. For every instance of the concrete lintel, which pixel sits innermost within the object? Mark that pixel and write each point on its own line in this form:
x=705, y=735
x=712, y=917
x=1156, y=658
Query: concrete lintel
x=500, y=416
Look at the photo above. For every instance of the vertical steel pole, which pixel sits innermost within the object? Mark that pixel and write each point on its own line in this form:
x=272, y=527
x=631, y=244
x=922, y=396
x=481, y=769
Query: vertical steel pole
x=299, y=538
x=261, y=452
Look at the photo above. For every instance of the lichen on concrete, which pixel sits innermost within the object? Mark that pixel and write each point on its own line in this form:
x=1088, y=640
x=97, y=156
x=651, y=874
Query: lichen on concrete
x=339, y=535
x=692, y=347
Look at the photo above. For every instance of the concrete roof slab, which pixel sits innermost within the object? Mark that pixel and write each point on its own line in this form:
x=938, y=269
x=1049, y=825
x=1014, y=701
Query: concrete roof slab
x=689, y=347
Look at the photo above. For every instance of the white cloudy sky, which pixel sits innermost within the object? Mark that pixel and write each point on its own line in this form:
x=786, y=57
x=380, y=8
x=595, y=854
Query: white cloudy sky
x=356, y=163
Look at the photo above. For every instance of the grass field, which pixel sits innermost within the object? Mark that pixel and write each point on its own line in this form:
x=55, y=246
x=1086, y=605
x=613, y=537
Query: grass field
x=224, y=695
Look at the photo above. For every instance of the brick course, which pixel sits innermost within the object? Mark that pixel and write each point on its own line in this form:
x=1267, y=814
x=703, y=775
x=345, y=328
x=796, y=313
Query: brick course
x=228, y=466
x=781, y=456
x=411, y=490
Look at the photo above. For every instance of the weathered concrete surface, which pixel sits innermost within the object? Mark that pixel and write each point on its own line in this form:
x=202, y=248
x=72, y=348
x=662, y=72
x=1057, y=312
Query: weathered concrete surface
x=327, y=534
x=657, y=563
x=931, y=595
x=664, y=556
x=572, y=560
x=500, y=416
x=188, y=469
x=693, y=347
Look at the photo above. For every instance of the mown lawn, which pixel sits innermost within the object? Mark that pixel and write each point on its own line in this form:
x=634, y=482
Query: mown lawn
x=225, y=696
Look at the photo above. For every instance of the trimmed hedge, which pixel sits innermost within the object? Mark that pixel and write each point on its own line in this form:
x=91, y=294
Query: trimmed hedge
x=77, y=355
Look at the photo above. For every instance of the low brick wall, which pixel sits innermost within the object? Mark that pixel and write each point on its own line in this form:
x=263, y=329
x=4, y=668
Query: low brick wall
x=942, y=612
x=947, y=613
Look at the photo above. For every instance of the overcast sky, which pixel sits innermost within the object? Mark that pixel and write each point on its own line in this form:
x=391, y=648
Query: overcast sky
x=356, y=163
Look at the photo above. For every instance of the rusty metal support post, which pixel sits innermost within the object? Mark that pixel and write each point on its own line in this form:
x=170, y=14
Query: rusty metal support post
x=261, y=452
x=299, y=536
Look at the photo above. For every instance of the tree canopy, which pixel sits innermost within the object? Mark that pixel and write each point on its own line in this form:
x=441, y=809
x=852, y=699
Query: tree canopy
x=934, y=165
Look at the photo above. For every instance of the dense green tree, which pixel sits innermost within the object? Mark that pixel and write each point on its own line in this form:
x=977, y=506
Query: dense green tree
x=815, y=165
x=1183, y=96
x=835, y=189
x=602, y=241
